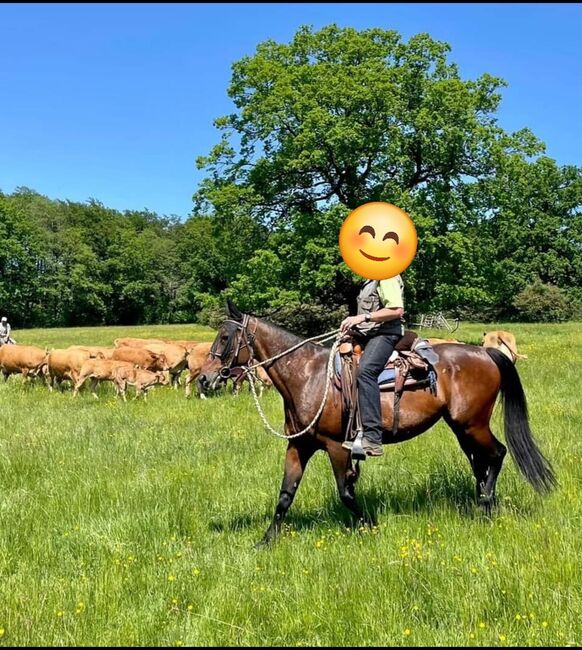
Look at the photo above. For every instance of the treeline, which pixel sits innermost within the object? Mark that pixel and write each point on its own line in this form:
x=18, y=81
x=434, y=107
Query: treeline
x=322, y=124
x=65, y=263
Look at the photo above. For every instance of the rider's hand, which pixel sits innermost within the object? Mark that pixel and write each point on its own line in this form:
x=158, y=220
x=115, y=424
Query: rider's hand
x=350, y=322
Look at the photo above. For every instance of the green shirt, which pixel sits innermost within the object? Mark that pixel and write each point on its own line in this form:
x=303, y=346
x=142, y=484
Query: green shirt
x=390, y=292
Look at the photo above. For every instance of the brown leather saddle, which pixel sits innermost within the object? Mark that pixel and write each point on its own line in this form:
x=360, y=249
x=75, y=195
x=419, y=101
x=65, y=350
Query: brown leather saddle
x=409, y=370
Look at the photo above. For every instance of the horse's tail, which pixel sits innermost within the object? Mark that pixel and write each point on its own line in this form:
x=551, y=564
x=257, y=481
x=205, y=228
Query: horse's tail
x=522, y=446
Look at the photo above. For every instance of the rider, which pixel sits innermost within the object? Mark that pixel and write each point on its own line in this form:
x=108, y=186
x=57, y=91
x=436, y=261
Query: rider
x=5, y=331
x=379, y=322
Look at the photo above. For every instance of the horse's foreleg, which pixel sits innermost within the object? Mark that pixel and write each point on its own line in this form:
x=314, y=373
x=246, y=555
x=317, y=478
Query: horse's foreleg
x=346, y=477
x=298, y=455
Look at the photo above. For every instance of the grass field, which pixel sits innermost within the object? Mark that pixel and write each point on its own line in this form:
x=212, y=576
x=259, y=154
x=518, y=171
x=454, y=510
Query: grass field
x=134, y=523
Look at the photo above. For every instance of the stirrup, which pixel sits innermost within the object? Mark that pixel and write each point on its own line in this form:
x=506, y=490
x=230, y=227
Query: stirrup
x=358, y=452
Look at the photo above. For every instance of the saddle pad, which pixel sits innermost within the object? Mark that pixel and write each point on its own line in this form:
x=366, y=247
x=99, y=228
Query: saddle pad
x=386, y=376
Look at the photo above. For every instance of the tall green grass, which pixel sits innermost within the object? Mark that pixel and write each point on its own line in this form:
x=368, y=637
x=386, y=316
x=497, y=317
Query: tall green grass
x=135, y=523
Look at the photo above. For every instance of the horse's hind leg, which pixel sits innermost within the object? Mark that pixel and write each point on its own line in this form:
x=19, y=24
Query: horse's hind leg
x=298, y=455
x=346, y=477
x=486, y=454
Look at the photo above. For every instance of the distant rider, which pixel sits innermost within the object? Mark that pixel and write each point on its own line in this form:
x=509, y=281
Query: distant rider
x=5, y=330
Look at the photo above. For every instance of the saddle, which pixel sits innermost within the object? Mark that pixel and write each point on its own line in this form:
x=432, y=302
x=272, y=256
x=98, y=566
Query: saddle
x=411, y=366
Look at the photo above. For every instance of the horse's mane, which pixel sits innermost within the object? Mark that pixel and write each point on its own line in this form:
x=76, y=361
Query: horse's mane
x=289, y=339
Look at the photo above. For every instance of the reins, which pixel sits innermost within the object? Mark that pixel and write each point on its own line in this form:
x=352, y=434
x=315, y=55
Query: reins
x=320, y=338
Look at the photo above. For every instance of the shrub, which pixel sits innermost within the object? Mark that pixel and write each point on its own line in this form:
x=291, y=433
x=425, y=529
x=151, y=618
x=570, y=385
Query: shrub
x=543, y=302
x=211, y=312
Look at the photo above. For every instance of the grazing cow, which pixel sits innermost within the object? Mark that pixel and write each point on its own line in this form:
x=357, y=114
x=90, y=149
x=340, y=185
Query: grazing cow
x=141, y=357
x=261, y=378
x=95, y=351
x=504, y=342
x=437, y=341
x=65, y=365
x=188, y=345
x=99, y=370
x=135, y=343
x=27, y=360
x=176, y=359
x=196, y=359
x=143, y=380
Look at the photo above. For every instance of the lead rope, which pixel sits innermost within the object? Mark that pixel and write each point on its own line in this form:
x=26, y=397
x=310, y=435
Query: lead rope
x=329, y=374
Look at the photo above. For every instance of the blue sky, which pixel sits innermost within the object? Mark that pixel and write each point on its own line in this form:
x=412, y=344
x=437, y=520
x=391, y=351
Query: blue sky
x=115, y=102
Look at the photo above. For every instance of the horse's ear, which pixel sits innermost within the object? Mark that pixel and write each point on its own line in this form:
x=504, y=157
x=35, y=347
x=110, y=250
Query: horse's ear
x=232, y=310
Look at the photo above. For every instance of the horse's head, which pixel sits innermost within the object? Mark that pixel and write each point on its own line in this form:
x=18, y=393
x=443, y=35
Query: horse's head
x=231, y=348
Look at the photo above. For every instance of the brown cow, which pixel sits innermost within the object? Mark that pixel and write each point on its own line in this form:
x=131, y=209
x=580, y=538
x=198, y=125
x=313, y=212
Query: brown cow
x=141, y=357
x=99, y=370
x=65, y=365
x=135, y=342
x=196, y=359
x=188, y=345
x=143, y=380
x=261, y=378
x=504, y=342
x=27, y=360
x=176, y=358
x=433, y=341
x=95, y=351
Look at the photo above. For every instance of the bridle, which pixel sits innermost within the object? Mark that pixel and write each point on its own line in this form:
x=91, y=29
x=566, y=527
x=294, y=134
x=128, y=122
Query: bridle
x=245, y=340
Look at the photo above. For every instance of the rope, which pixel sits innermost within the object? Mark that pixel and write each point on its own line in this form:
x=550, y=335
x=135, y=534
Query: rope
x=329, y=374
x=324, y=337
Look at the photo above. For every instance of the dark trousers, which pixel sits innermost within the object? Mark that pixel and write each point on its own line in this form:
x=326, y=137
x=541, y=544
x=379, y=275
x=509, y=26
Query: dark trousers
x=376, y=353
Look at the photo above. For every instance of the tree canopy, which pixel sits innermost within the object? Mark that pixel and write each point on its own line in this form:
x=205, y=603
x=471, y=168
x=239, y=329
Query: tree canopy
x=339, y=117
x=320, y=125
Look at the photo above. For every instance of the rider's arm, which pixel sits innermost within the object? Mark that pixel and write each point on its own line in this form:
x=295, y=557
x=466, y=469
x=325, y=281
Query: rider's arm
x=390, y=293
x=386, y=314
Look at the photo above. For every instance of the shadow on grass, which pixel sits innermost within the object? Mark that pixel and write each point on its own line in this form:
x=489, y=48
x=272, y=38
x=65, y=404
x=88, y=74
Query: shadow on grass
x=442, y=489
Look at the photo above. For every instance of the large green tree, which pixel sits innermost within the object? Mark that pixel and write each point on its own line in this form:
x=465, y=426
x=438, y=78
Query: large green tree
x=339, y=117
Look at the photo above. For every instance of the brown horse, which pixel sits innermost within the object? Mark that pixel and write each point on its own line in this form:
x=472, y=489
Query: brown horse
x=469, y=378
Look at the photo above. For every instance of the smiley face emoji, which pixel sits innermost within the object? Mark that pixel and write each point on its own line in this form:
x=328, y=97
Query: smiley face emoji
x=378, y=241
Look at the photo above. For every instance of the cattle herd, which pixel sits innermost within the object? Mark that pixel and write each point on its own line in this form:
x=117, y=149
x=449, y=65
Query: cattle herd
x=144, y=363
x=141, y=363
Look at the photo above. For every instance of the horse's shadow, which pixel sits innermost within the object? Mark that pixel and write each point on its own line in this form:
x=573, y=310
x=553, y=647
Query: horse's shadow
x=453, y=490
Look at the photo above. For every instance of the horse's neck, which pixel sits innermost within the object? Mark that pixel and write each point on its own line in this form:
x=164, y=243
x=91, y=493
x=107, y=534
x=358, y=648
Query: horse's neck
x=288, y=373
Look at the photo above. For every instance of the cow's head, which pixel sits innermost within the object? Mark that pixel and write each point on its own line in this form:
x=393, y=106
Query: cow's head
x=159, y=361
x=162, y=378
